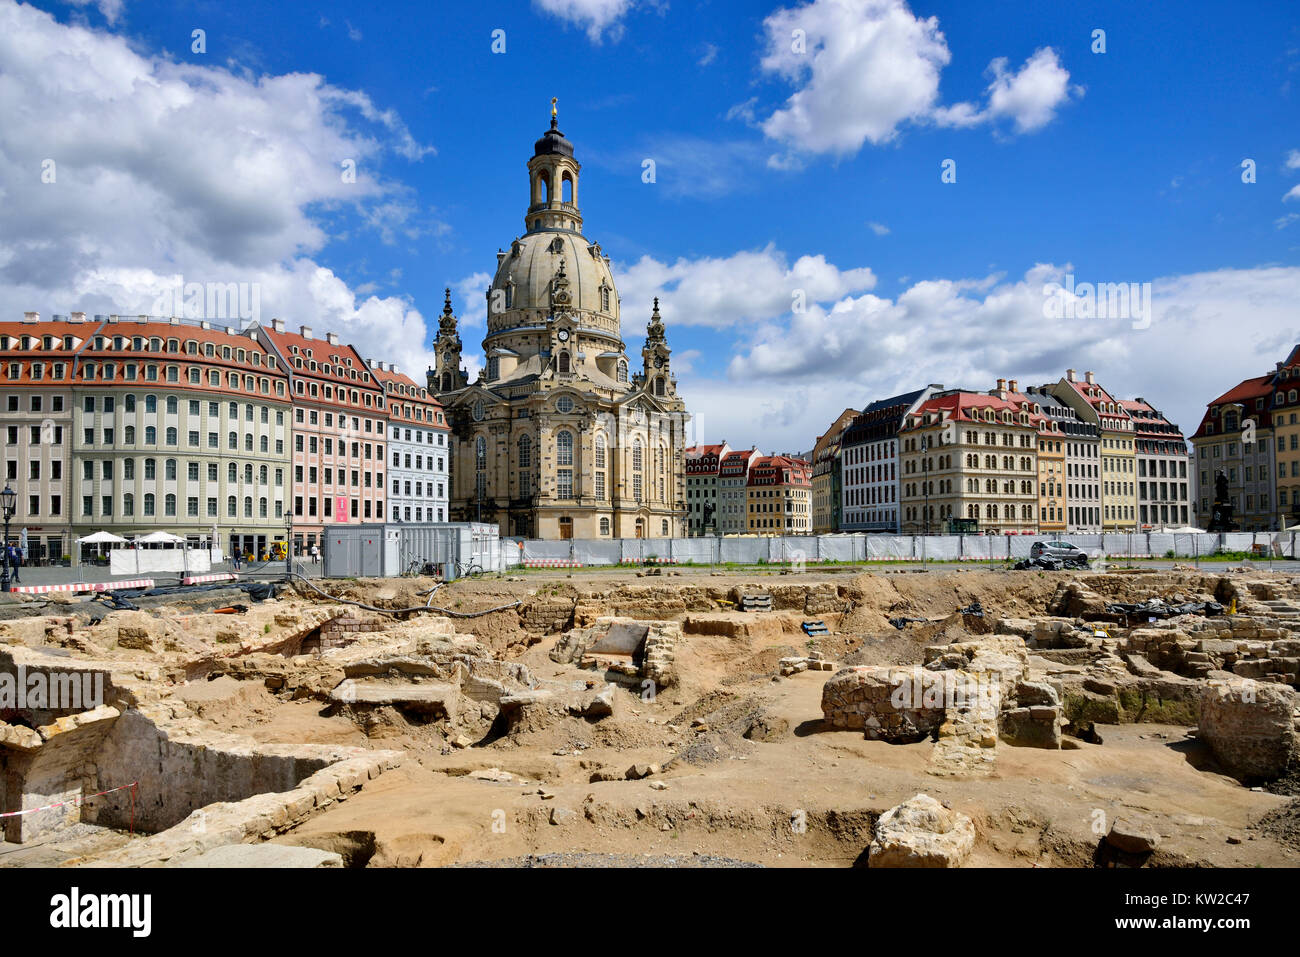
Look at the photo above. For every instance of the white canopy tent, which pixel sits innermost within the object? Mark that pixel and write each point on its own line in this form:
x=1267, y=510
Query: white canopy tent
x=102, y=538
x=160, y=538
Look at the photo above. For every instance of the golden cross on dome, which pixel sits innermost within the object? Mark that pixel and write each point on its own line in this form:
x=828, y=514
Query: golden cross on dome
x=554, y=100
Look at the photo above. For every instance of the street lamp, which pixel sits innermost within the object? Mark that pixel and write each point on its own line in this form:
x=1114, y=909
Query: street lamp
x=925, y=481
x=9, y=504
x=288, y=544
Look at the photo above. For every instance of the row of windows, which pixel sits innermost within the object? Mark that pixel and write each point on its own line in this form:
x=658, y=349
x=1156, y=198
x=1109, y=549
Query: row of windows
x=107, y=404
x=148, y=506
x=148, y=469
x=404, y=488
x=171, y=438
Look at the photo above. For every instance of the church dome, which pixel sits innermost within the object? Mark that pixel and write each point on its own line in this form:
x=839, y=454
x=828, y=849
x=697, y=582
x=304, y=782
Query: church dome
x=527, y=270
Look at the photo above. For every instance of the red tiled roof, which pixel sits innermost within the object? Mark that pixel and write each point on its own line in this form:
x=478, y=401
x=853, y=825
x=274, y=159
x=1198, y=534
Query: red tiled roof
x=961, y=404
x=337, y=363
x=80, y=332
x=1244, y=393
x=402, y=389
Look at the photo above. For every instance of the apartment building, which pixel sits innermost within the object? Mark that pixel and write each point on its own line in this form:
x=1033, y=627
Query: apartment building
x=702, y=466
x=340, y=428
x=1081, y=441
x=779, y=496
x=827, y=480
x=36, y=426
x=1244, y=412
x=181, y=426
x=1051, y=484
x=418, y=447
x=1285, y=416
x=969, y=455
x=733, y=497
x=1163, y=484
x=1117, y=447
x=869, y=463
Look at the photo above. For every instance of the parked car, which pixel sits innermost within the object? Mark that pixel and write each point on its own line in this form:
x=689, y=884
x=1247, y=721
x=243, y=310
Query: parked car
x=1069, y=554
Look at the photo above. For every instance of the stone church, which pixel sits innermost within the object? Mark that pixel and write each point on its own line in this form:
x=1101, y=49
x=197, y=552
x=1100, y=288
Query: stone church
x=556, y=438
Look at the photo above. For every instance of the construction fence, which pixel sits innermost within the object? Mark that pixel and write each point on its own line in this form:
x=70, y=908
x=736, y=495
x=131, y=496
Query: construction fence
x=810, y=549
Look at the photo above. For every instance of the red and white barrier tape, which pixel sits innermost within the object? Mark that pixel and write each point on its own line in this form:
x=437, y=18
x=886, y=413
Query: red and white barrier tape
x=200, y=579
x=75, y=802
x=84, y=586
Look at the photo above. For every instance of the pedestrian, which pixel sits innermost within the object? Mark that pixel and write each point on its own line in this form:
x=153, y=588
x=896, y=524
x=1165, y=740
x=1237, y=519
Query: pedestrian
x=315, y=554
x=15, y=559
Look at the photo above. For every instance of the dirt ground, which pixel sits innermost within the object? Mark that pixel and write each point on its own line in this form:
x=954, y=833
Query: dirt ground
x=747, y=773
x=804, y=796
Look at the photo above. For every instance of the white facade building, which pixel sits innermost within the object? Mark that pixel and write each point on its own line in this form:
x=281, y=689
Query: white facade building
x=419, y=466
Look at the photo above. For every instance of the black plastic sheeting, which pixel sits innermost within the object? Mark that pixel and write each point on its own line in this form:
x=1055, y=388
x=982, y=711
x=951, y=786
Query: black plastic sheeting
x=1155, y=608
x=974, y=608
x=120, y=600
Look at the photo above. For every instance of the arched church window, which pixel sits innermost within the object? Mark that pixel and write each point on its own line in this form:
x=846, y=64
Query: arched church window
x=525, y=452
x=480, y=453
x=600, y=451
x=622, y=370
x=604, y=298
x=477, y=411
x=564, y=448
x=564, y=363
x=659, y=386
x=446, y=382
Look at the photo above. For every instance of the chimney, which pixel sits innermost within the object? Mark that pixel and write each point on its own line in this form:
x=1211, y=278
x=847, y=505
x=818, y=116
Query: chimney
x=277, y=325
x=31, y=317
x=392, y=367
x=306, y=332
x=332, y=338
x=81, y=317
x=205, y=324
x=1088, y=378
x=1002, y=385
x=371, y=363
x=143, y=318
x=1069, y=375
x=1013, y=385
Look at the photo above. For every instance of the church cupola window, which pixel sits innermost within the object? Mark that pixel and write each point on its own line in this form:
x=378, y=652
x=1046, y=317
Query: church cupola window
x=622, y=370
x=494, y=368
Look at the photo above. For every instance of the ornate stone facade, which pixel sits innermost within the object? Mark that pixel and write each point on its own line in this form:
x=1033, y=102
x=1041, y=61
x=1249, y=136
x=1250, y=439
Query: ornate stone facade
x=556, y=439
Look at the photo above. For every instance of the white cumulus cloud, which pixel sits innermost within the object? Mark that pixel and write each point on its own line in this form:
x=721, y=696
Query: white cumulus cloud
x=864, y=68
x=120, y=172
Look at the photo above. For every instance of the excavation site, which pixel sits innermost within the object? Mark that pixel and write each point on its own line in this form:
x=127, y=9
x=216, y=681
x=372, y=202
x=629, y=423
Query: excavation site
x=668, y=717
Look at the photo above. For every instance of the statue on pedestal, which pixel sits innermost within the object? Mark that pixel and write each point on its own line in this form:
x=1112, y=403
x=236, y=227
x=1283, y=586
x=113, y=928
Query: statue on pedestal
x=1221, y=514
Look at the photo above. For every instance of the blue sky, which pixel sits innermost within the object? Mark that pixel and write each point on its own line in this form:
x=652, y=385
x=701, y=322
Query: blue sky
x=782, y=175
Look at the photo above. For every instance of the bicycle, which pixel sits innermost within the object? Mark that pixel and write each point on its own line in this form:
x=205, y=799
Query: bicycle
x=417, y=567
x=468, y=570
